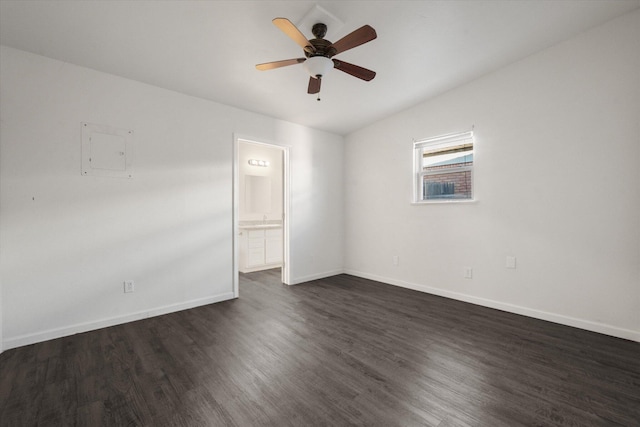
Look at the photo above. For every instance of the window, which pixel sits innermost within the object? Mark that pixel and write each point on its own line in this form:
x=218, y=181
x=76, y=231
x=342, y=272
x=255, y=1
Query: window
x=443, y=168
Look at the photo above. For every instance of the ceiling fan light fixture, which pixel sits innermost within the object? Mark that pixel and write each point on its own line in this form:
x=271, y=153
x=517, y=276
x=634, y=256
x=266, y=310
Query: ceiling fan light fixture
x=317, y=65
x=319, y=52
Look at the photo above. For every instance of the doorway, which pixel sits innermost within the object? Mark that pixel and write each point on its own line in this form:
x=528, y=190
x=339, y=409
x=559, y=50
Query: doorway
x=260, y=208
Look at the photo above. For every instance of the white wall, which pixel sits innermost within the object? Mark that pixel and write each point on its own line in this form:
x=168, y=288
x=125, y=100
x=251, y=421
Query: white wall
x=247, y=151
x=557, y=180
x=68, y=242
x=1, y=339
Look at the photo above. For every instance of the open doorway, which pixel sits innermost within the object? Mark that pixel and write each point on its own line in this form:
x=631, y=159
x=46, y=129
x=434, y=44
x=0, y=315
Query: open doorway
x=260, y=214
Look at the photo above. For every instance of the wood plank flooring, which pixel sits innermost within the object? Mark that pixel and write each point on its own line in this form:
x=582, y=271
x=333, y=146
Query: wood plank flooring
x=333, y=352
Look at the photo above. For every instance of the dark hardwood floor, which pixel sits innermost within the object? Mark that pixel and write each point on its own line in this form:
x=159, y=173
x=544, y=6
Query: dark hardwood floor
x=337, y=351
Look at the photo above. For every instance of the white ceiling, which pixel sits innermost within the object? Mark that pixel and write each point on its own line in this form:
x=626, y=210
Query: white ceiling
x=208, y=49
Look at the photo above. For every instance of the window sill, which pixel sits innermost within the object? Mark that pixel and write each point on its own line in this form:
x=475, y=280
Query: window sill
x=444, y=202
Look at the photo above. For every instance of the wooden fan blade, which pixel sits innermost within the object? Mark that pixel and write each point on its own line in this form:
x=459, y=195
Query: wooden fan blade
x=278, y=64
x=294, y=34
x=314, y=85
x=360, y=36
x=354, y=70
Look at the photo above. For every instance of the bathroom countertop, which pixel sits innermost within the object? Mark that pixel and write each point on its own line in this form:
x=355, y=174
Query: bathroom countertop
x=259, y=226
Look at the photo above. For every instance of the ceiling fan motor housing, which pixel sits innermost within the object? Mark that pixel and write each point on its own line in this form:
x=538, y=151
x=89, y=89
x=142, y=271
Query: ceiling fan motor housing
x=321, y=47
x=318, y=61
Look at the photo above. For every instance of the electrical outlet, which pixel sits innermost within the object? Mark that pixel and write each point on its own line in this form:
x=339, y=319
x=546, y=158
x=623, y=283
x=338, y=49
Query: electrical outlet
x=396, y=260
x=468, y=272
x=510, y=262
x=128, y=286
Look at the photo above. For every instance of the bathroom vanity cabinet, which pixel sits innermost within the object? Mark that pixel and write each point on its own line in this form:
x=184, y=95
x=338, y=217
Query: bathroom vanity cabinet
x=260, y=247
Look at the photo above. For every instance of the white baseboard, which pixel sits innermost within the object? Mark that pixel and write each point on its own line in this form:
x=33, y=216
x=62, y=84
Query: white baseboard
x=537, y=314
x=511, y=308
x=50, y=334
x=298, y=280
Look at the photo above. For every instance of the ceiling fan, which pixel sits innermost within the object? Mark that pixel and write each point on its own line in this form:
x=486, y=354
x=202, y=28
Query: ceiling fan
x=319, y=52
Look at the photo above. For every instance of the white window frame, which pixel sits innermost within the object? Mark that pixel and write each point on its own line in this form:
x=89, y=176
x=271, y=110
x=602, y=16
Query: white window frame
x=442, y=141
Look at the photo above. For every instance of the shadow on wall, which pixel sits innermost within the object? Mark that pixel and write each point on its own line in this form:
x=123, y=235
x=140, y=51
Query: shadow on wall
x=171, y=239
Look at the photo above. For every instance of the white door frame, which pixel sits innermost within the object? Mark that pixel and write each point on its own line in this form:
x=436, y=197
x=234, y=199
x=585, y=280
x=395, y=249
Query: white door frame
x=286, y=270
